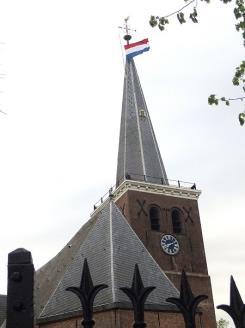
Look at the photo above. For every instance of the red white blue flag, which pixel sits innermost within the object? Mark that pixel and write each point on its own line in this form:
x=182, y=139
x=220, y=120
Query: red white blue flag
x=136, y=48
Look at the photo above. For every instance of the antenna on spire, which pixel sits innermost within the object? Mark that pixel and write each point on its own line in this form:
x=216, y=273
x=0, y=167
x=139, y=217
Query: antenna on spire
x=127, y=37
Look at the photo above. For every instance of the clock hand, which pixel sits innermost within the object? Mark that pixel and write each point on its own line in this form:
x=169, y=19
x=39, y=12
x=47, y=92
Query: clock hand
x=171, y=244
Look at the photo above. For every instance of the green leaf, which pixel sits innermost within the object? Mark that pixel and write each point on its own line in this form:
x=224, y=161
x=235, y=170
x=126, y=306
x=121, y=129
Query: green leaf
x=153, y=21
x=227, y=103
x=161, y=27
x=212, y=100
x=163, y=21
x=237, y=13
x=193, y=18
x=235, y=81
x=241, y=118
x=181, y=18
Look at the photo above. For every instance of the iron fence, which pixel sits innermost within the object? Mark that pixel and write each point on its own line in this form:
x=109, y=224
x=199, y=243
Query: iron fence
x=20, y=310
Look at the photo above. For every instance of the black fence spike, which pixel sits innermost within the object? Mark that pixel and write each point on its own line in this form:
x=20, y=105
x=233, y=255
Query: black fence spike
x=187, y=303
x=236, y=309
x=138, y=295
x=86, y=294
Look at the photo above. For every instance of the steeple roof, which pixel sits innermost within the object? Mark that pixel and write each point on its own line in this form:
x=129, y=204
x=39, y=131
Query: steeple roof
x=139, y=157
x=112, y=249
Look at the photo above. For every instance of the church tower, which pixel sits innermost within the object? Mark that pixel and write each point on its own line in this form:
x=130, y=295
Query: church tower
x=149, y=220
x=163, y=213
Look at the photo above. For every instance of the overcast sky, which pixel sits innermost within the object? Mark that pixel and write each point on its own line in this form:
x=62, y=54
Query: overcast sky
x=62, y=94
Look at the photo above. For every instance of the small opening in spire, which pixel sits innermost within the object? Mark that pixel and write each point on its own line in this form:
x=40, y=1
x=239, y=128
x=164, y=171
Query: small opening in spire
x=142, y=113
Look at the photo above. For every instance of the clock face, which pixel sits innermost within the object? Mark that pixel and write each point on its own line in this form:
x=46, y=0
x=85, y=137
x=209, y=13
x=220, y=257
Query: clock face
x=170, y=244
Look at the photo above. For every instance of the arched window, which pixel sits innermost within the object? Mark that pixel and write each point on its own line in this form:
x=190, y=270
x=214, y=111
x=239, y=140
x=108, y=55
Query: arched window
x=155, y=218
x=176, y=221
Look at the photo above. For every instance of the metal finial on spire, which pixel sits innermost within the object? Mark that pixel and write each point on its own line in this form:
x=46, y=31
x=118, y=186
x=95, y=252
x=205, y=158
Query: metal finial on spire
x=127, y=37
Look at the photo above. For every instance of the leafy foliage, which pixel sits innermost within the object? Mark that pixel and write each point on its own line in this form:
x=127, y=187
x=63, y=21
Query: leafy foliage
x=181, y=18
x=239, y=13
x=239, y=77
x=213, y=100
x=193, y=16
x=222, y=323
x=241, y=118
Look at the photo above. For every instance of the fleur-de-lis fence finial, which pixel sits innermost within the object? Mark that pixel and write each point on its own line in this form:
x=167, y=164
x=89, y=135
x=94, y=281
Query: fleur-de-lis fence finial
x=187, y=303
x=86, y=294
x=138, y=295
x=236, y=309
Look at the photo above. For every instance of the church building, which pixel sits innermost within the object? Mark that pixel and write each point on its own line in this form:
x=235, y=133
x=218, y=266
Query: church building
x=146, y=219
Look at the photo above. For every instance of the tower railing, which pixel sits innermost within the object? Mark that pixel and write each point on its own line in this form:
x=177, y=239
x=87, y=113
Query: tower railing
x=157, y=180
x=146, y=179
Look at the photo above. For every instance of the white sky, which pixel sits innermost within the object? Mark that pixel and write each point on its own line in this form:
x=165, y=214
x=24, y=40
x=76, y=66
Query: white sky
x=62, y=94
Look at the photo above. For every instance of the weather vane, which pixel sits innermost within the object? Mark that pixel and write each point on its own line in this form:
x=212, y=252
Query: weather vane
x=127, y=37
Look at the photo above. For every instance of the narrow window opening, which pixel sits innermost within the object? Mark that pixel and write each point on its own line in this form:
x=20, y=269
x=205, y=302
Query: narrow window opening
x=155, y=218
x=176, y=221
x=142, y=113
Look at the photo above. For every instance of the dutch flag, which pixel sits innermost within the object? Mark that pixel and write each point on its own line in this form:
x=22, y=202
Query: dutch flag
x=136, y=48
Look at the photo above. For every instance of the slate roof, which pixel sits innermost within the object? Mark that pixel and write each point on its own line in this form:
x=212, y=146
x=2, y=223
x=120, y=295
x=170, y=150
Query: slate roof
x=138, y=153
x=112, y=248
x=48, y=277
x=3, y=307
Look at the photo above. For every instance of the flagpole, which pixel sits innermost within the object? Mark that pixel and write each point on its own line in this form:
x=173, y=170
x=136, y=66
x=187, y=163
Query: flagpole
x=122, y=52
x=127, y=37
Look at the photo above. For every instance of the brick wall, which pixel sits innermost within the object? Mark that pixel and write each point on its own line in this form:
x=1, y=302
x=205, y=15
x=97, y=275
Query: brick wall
x=191, y=257
x=192, y=254
x=124, y=319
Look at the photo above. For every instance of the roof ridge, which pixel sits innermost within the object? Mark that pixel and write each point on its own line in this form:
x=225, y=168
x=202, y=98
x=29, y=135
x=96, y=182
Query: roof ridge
x=111, y=258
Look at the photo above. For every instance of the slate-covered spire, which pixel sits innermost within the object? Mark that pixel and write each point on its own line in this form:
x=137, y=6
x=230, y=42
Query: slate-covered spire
x=139, y=157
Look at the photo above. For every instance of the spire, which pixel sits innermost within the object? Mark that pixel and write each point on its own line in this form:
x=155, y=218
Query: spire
x=139, y=157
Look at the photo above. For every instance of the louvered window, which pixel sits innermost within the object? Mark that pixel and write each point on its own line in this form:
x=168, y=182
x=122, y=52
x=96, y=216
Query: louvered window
x=176, y=221
x=155, y=218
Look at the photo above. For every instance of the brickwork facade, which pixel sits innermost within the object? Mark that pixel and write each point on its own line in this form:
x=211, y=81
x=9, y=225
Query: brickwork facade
x=124, y=319
x=136, y=206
